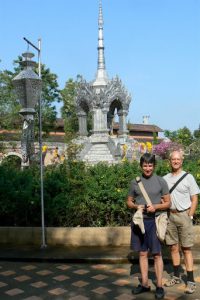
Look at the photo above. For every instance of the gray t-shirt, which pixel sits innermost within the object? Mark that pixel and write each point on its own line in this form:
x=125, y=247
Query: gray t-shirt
x=155, y=186
x=180, y=196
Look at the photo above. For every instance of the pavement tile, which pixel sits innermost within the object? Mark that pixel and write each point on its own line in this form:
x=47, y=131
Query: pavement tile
x=63, y=267
x=119, y=271
x=44, y=272
x=100, y=267
x=2, y=284
x=8, y=273
x=57, y=291
x=81, y=272
x=121, y=282
x=80, y=283
x=14, y=292
x=61, y=277
x=29, y=267
x=101, y=290
x=22, y=278
x=100, y=277
x=39, y=284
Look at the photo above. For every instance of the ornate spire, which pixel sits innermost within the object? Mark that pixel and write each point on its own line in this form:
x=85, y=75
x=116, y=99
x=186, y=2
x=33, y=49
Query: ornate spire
x=101, y=75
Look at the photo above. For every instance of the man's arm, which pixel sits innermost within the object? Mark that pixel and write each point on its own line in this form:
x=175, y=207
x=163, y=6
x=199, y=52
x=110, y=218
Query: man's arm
x=194, y=203
x=131, y=204
x=164, y=205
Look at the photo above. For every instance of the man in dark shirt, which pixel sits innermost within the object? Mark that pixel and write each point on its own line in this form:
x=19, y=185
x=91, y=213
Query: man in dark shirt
x=156, y=188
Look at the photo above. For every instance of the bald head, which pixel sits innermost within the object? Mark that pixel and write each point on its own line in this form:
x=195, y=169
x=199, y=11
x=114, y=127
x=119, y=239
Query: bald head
x=176, y=161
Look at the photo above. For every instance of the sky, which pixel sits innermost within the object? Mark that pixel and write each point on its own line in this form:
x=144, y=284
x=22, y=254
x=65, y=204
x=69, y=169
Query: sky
x=152, y=45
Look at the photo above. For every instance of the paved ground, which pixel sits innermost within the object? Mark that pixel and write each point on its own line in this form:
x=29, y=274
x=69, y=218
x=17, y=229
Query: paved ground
x=38, y=281
x=80, y=274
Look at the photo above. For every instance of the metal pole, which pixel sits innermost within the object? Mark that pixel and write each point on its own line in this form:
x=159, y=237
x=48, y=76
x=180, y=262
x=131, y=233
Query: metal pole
x=40, y=144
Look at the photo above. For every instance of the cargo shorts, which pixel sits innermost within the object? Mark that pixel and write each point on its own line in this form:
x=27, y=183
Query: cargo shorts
x=180, y=230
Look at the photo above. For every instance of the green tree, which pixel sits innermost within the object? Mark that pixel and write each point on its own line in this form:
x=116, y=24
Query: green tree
x=196, y=133
x=9, y=106
x=69, y=110
x=182, y=136
x=172, y=135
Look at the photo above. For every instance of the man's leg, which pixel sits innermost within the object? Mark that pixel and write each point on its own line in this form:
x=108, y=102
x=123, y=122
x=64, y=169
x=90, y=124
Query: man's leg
x=188, y=258
x=158, y=266
x=176, y=260
x=144, y=267
x=175, y=254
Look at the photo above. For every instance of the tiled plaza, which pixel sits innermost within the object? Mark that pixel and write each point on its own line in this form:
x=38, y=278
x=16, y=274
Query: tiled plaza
x=38, y=281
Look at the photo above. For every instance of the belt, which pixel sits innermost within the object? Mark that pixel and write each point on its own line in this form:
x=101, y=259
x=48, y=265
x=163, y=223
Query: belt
x=176, y=211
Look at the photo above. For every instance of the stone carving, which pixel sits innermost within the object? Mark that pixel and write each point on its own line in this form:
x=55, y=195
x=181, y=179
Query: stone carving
x=27, y=142
x=114, y=90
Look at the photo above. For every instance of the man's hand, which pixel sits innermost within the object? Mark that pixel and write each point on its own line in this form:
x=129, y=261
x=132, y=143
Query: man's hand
x=151, y=208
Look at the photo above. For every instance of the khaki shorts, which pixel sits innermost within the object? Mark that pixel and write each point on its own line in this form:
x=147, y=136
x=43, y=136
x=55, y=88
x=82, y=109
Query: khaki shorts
x=180, y=230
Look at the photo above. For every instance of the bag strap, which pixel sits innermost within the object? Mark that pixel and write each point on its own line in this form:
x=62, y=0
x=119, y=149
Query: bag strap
x=144, y=193
x=178, y=181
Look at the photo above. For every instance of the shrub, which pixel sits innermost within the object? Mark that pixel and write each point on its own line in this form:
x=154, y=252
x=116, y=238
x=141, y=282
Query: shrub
x=74, y=195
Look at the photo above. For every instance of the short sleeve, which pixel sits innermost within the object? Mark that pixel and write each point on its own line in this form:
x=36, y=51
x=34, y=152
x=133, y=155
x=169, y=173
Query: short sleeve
x=131, y=189
x=164, y=186
x=194, y=188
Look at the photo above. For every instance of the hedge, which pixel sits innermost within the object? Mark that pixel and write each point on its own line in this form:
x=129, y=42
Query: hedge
x=74, y=195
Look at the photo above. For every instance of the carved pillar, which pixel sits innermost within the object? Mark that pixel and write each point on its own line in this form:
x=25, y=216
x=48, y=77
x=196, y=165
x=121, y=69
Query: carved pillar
x=122, y=122
x=82, y=120
x=99, y=120
x=110, y=117
x=27, y=141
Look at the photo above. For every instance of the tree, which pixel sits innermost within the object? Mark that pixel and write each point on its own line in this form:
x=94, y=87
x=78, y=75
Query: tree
x=69, y=110
x=50, y=95
x=196, y=133
x=9, y=107
x=182, y=136
x=172, y=135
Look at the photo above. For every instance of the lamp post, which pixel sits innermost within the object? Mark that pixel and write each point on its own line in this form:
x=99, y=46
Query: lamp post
x=28, y=86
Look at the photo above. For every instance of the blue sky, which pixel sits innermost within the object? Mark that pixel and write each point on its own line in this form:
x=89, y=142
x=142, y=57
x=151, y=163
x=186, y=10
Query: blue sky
x=152, y=45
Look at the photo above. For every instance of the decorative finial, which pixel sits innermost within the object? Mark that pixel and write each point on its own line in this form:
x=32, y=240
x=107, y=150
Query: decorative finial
x=101, y=76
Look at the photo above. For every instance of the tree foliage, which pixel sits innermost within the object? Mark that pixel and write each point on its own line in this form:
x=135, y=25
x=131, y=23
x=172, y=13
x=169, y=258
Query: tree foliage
x=182, y=136
x=69, y=110
x=196, y=133
x=9, y=106
x=74, y=195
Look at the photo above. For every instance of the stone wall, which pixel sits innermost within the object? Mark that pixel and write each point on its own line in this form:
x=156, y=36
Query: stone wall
x=76, y=236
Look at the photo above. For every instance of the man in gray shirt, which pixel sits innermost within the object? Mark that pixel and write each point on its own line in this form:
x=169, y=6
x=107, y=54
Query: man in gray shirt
x=184, y=200
x=157, y=189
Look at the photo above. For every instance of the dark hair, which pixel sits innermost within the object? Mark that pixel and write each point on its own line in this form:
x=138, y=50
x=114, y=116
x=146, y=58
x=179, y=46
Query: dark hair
x=147, y=158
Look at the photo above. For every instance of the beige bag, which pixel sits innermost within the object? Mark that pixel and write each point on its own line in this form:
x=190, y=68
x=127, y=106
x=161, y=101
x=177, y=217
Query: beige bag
x=161, y=220
x=138, y=219
x=161, y=226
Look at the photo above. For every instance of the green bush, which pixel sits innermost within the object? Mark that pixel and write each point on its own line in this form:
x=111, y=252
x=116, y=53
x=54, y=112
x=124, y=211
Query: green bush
x=74, y=195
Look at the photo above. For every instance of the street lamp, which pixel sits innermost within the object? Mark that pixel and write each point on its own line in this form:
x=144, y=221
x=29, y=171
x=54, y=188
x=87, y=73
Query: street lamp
x=23, y=86
x=28, y=87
